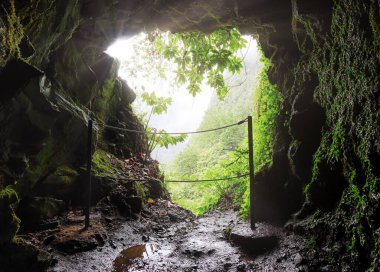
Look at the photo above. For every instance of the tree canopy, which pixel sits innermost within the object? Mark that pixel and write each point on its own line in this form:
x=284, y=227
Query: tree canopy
x=199, y=56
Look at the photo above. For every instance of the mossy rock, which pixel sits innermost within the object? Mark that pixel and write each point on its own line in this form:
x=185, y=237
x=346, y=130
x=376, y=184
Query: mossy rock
x=7, y=197
x=33, y=210
x=155, y=188
x=139, y=189
x=9, y=222
x=128, y=200
x=59, y=184
x=102, y=164
x=19, y=255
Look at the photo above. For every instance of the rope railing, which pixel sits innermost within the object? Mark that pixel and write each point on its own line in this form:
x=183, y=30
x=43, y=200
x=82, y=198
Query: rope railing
x=172, y=133
x=190, y=181
x=181, y=133
x=209, y=180
x=106, y=126
x=87, y=114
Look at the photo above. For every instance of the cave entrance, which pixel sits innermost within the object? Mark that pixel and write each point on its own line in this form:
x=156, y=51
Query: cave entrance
x=196, y=81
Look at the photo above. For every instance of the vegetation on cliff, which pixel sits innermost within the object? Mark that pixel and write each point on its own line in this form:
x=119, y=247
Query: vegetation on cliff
x=228, y=155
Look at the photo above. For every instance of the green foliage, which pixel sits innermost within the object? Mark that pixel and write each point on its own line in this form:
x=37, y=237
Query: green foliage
x=146, y=62
x=228, y=154
x=202, y=160
x=200, y=56
x=200, y=155
x=165, y=140
x=195, y=56
x=330, y=148
x=203, y=196
x=267, y=103
x=159, y=105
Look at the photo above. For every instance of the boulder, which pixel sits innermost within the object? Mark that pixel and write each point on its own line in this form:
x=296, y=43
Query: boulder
x=155, y=188
x=128, y=205
x=34, y=210
x=254, y=245
x=59, y=184
x=102, y=186
x=16, y=75
x=22, y=256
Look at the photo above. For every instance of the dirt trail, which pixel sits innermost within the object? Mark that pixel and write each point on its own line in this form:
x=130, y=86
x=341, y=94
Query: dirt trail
x=171, y=239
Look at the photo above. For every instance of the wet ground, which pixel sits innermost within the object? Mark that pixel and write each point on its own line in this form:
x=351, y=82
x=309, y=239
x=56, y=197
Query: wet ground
x=205, y=247
x=168, y=238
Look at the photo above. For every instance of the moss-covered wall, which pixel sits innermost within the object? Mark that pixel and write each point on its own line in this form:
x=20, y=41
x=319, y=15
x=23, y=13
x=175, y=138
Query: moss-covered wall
x=343, y=187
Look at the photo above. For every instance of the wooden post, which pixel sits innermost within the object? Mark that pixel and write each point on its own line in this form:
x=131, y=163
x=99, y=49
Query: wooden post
x=89, y=185
x=251, y=169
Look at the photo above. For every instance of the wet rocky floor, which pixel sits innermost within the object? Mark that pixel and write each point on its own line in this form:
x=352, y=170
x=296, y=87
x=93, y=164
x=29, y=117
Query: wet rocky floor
x=168, y=238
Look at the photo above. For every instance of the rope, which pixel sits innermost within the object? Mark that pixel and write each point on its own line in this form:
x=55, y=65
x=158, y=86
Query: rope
x=173, y=133
x=208, y=180
x=200, y=180
x=180, y=133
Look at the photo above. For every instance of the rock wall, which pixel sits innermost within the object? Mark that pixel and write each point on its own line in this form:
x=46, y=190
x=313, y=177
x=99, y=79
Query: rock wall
x=325, y=59
x=53, y=80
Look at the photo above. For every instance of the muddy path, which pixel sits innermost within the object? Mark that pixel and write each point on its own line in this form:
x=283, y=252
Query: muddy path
x=168, y=238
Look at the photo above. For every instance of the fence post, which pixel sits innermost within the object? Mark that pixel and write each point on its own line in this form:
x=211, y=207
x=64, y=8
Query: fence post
x=89, y=185
x=251, y=170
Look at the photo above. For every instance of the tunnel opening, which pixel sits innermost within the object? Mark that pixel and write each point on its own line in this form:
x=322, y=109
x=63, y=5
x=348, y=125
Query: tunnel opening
x=166, y=101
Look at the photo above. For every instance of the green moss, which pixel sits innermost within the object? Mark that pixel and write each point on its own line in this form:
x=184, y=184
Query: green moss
x=312, y=241
x=9, y=222
x=13, y=32
x=304, y=29
x=345, y=60
x=375, y=253
x=317, y=159
x=102, y=103
x=65, y=171
x=337, y=145
x=140, y=190
x=101, y=162
x=43, y=160
x=8, y=196
x=374, y=25
x=107, y=101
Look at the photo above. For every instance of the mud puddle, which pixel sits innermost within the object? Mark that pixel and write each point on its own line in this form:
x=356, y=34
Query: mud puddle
x=124, y=261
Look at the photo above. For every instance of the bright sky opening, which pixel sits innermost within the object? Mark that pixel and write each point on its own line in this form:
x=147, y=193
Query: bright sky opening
x=184, y=114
